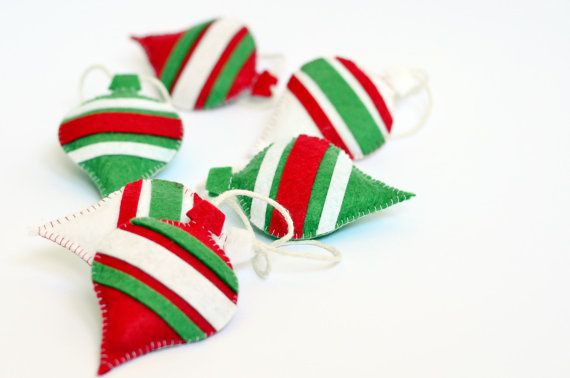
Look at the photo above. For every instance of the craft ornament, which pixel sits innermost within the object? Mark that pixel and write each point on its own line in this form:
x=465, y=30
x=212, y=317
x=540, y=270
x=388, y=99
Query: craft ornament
x=81, y=232
x=162, y=283
x=122, y=136
x=334, y=98
x=314, y=180
x=208, y=65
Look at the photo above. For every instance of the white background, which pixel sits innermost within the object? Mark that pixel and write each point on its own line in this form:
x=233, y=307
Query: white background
x=469, y=279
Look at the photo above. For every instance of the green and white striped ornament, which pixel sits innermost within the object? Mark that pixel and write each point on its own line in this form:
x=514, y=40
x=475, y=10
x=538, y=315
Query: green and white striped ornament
x=82, y=231
x=313, y=179
x=122, y=136
x=334, y=98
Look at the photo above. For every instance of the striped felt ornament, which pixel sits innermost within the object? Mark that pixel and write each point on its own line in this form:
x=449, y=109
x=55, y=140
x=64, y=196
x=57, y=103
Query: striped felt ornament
x=334, y=98
x=82, y=231
x=207, y=65
x=121, y=137
x=311, y=178
x=159, y=284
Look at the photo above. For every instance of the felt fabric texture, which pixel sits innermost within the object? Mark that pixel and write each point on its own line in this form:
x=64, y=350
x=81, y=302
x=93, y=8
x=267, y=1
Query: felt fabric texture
x=334, y=98
x=207, y=65
x=313, y=179
x=81, y=232
x=161, y=283
x=122, y=136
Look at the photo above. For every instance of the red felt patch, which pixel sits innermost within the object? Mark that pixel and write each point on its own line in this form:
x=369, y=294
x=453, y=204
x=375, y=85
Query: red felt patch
x=206, y=214
x=129, y=202
x=158, y=48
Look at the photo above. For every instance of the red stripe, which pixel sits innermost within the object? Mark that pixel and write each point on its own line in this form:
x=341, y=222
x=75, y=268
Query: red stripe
x=297, y=181
x=158, y=286
x=218, y=67
x=189, y=55
x=244, y=77
x=184, y=255
x=120, y=123
x=129, y=202
x=158, y=48
x=316, y=113
x=370, y=89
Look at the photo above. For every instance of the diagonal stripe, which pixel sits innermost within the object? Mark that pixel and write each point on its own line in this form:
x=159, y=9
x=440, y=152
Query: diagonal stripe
x=264, y=180
x=129, y=285
x=242, y=80
x=119, y=123
x=180, y=54
x=157, y=286
x=319, y=191
x=166, y=199
x=141, y=150
x=338, y=122
x=347, y=103
x=191, y=250
x=143, y=208
x=373, y=93
x=226, y=70
x=317, y=114
x=127, y=105
x=335, y=194
x=296, y=183
x=129, y=202
x=207, y=53
x=173, y=272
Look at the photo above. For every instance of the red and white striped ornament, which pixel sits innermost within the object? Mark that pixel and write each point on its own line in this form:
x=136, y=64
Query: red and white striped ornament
x=162, y=283
x=81, y=232
x=208, y=64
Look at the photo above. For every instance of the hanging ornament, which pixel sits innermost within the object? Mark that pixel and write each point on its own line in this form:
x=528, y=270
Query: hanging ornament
x=314, y=180
x=207, y=65
x=122, y=136
x=162, y=283
x=335, y=99
x=81, y=232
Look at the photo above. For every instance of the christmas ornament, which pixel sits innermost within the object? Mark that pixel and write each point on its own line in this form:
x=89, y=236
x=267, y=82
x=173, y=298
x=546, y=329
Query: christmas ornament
x=311, y=178
x=334, y=98
x=81, y=232
x=122, y=136
x=161, y=283
x=207, y=65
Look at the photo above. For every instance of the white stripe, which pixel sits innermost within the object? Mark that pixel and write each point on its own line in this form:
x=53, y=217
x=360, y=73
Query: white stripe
x=335, y=118
x=142, y=150
x=264, y=181
x=173, y=272
x=187, y=202
x=143, y=205
x=121, y=103
x=361, y=93
x=335, y=194
x=202, y=61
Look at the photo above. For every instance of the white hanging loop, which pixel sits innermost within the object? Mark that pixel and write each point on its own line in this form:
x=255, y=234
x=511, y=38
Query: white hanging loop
x=158, y=85
x=89, y=70
x=261, y=260
x=406, y=83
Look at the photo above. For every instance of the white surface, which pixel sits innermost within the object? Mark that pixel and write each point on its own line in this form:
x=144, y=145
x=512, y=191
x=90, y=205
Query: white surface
x=469, y=279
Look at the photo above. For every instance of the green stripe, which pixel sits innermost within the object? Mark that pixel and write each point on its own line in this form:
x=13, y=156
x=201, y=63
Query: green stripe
x=276, y=181
x=176, y=58
x=166, y=199
x=319, y=191
x=172, y=144
x=347, y=103
x=245, y=179
x=230, y=71
x=149, y=297
x=193, y=246
x=124, y=110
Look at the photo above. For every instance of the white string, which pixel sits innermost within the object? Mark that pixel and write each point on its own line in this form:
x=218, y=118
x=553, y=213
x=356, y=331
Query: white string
x=159, y=85
x=421, y=85
x=88, y=70
x=261, y=261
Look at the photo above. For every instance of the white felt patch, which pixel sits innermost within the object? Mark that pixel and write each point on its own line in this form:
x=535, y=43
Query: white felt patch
x=121, y=103
x=142, y=150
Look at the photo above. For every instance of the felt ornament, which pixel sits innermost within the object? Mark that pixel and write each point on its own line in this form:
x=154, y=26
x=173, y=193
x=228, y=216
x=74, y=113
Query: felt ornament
x=336, y=99
x=162, y=283
x=313, y=179
x=208, y=64
x=81, y=232
x=122, y=136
